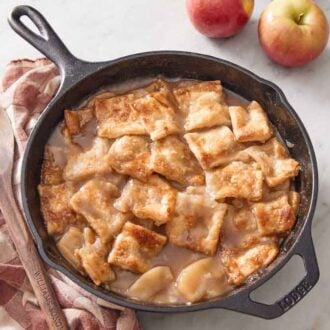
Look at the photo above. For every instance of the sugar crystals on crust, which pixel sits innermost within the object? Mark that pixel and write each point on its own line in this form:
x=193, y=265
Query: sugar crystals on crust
x=158, y=114
x=202, y=105
x=172, y=158
x=213, y=147
x=237, y=180
x=239, y=230
x=250, y=124
x=117, y=117
x=94, y=201
x=86, y=164
x=51, y=172
x=93, y=256
x=134, y=248
x=130, y=155
x=153, y=199
x=76, y=120
x=274, y=161
x=277, y=216
x=55, y=208
x=240, y=265
x=197, y=221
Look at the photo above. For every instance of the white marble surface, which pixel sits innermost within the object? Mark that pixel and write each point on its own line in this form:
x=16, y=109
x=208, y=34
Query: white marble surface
x=100, y=30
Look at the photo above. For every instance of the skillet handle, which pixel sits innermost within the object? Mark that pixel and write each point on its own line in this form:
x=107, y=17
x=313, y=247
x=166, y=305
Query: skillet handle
x=47, y=41
x=305, y=249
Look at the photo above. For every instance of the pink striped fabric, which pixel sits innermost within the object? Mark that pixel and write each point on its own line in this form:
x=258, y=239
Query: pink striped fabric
x=27, y=87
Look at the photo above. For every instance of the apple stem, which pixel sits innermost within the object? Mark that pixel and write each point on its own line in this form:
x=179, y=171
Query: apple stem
x=300, y=18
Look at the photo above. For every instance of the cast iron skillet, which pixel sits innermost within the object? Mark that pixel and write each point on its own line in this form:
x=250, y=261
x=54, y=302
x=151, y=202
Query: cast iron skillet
x=80, y=79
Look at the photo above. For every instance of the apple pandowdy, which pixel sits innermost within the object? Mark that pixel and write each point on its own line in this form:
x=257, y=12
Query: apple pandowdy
x=167, y=193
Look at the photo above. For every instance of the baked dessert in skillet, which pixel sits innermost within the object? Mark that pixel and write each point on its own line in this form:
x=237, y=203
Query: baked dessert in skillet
x=169, y=193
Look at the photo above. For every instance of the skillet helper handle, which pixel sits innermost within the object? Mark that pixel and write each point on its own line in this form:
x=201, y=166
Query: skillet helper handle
x=305, y=249
x=47, y=41
x=30, y=259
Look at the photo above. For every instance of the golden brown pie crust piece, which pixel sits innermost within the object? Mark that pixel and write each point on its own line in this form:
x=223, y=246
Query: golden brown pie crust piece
x=76, y=120
x=134, y=247
x=94, y=201
x=213, y=147
x=51, y=173
x=197, y=221
x=274, y=161
x=158, y=114
x=277, y=216
x=237, y=180
x=130, y=155
x=172, y=158
x=93, y=259
x=153, y=199
x=202, y=105
x=250, y=124
x=240, y=265
x=117, y=117
x=55, y=208
x=86, y=164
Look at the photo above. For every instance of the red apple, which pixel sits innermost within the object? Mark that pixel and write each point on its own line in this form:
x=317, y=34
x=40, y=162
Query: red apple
x=293, y=32
x=219, y=18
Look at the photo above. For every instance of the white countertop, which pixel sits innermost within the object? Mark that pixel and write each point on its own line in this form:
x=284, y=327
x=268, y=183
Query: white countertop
x=100, y=30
